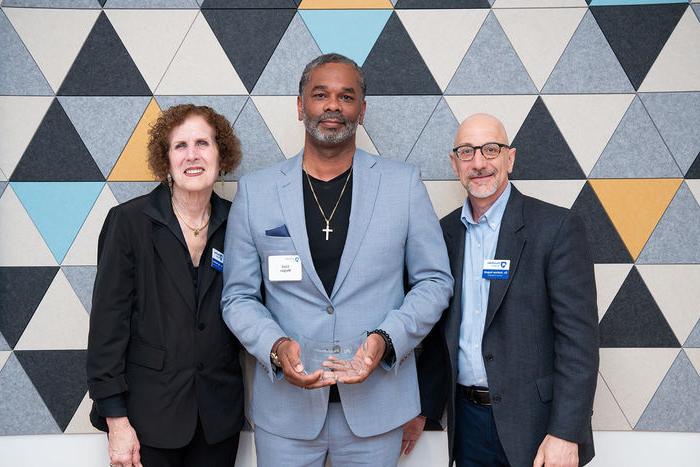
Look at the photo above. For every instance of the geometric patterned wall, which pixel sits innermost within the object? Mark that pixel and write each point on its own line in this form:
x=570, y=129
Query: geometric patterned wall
x=602, y=102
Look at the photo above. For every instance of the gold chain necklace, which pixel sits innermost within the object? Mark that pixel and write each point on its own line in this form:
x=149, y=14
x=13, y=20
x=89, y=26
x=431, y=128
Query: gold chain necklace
x=194, y=230
x=328, y=229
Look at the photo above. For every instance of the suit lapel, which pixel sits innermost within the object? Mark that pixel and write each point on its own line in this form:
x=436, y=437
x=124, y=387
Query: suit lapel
x=455, y=232
x=511, y=240
x=365, y=186
x=170, y=244
x=207, y=274
x=291, y=194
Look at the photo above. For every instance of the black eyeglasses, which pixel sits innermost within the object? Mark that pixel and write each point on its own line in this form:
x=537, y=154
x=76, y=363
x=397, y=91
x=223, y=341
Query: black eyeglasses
x=466, y=152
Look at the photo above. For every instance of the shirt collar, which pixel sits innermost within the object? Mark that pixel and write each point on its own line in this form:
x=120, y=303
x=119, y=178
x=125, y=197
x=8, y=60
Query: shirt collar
x=493, y=216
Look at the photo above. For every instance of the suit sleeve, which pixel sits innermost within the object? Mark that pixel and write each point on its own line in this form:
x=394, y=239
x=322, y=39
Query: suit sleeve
x=428, y=271
x=241, y=298
x=112, y=302
x=572, y=292
x=433, y=379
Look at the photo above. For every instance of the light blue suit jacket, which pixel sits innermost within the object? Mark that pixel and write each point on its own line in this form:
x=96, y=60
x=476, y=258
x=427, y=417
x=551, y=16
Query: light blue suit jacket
x=392, y=227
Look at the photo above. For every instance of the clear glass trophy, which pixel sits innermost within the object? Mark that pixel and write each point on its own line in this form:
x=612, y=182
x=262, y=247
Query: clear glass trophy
x=344, y=358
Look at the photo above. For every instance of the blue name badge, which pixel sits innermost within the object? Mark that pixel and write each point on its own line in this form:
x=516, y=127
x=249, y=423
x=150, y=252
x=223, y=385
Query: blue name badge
x=217, y=260
x=496, y=269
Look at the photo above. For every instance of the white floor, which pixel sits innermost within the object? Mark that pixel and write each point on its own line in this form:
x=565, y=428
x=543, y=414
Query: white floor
x=614, y=449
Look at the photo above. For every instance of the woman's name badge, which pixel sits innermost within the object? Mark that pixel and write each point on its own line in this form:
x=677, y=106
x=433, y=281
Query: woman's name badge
x=284, y=268
x=217, y=260
x=496, y=269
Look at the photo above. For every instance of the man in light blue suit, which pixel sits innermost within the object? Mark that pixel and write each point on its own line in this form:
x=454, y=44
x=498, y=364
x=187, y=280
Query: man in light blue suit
x=333, y=245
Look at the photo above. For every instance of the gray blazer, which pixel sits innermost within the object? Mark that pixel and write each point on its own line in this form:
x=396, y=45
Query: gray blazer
x=393, y=229
x=540, y=343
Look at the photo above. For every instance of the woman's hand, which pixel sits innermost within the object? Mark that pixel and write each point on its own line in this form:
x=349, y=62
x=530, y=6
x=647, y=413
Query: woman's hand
x=124, y=447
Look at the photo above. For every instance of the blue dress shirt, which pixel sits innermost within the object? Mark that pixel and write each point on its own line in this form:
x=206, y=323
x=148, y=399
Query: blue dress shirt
x=480, y=240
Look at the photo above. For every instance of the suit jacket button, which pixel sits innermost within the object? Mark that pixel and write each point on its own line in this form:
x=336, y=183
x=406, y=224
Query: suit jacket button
x=201, y=326
x=489, y=357
x=330, y=310
x=496, y=398
x=200, y=366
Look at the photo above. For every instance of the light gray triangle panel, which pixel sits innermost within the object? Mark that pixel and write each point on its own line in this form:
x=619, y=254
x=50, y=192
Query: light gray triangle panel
x=184, y=4
x=124, y=191
x=491, y=65
x=395, y=122
x=676, y=115
x=22, y=410
x=91, y=4
x=20, y=74
x=82, y=280
x=636, y=150
x=3, y=344
x=676, y=403
x=431, y=151
x=2, y=187
x=693, y=339
x=588, y=64
x=676, y=239
x=228, y=106
x=105, y=124
x=260, y=149
x=282, y=72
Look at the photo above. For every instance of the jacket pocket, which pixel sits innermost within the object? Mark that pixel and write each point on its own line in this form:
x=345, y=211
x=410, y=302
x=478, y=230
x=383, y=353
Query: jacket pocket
x=143, y=354
x=545, y=388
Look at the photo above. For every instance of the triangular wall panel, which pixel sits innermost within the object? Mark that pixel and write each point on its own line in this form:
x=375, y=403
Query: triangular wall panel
x=53, y=36
x=431, y=151
x=103, y=67
x=82, y=279
x=442, y=37
x=20, y=117
x=21, y=75
x=634, y=319
x=608, y=280
x=607, y=414
x=257, y=142
x=80, y=423
x=152, y=37
x=635, y=206
x=541, y=151
x=228, y=106
x=56, y=153
x=59, y=322
x=491, y=50
x=394, y=65
x=559, y=192
x=249, y=37
x=132, y=164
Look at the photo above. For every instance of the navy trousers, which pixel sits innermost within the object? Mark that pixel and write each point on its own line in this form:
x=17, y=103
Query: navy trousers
x=476, y=438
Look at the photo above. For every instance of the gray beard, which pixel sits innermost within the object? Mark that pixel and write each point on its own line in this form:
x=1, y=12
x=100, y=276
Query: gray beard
x=333, y=137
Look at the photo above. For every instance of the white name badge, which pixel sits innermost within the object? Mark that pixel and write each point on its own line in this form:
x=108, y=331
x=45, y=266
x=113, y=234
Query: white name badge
x=496, y=269
x=284, y=268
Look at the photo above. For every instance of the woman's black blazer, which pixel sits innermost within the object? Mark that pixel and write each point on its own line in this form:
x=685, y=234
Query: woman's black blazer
x=170, y=356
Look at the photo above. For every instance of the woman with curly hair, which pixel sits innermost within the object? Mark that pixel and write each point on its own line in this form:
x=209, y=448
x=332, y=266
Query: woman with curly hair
x=162, y=367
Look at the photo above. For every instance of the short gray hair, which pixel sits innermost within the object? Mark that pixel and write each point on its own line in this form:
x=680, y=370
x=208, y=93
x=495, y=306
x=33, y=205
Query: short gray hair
x=331, y=58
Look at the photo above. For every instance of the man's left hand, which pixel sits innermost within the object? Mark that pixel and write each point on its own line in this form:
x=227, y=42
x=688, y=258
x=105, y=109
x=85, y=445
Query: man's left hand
x=364, y=362
x=556, y=452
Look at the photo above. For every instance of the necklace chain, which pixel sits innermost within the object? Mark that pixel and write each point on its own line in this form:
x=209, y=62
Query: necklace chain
x=327, y=230
x=195, y=230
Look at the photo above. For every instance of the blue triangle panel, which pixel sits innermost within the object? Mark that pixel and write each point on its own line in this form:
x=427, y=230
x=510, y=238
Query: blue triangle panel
x=348, y=32
x=58, y=209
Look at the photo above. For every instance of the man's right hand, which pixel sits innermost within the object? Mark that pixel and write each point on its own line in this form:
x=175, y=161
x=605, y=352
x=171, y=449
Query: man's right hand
x=289, y=354
x=124, y=447
x=412, y=430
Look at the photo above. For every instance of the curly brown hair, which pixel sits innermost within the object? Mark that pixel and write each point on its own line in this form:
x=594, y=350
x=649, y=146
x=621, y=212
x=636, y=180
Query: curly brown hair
x=158, y=143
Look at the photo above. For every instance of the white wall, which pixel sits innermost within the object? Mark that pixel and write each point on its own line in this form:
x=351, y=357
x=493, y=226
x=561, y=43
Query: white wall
x=614, y=449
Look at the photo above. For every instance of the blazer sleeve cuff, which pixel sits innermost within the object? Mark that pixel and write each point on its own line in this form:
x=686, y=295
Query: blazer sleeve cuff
x=107, y=388
x=113, y=406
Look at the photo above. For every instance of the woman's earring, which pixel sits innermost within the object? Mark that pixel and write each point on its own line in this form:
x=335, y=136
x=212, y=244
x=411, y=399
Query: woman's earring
x=169, y=178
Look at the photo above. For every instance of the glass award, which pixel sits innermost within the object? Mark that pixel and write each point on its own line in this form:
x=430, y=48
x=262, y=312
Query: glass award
x=338, y=359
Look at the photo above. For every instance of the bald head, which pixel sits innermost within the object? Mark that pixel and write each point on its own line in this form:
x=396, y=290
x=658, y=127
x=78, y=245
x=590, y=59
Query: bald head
x=481, y=127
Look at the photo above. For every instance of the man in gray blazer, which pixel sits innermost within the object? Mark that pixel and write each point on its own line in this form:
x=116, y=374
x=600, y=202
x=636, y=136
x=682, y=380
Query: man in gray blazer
x=321, y=250
x=515, y=356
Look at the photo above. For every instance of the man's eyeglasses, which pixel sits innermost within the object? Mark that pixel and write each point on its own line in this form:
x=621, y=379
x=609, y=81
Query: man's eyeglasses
x=466, y=152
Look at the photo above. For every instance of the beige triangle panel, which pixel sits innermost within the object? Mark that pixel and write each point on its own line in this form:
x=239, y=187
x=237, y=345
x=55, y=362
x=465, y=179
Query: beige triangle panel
x=634, y=374
x=20, y=117
x=539, y=3
x=607, y=415
x=345, y=4
x=132, y=165
x=4, y=355
x=80, y=423
x=635, y=206
x=83, y=251
x=676, y=290
x=608, y=280
x=280, y=116
x=560, y=192
x=60, y=321
x=21, y=244
x=694, y=357
x=446, y=195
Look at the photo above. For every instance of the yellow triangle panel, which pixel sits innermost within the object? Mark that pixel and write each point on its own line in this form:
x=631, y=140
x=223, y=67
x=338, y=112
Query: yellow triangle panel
x=345, y=4
x=635, y=206
x=132, y=165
